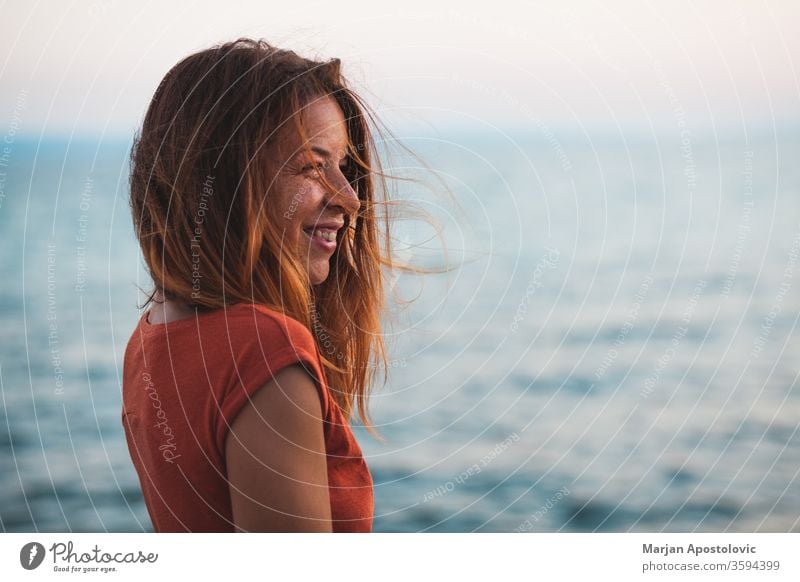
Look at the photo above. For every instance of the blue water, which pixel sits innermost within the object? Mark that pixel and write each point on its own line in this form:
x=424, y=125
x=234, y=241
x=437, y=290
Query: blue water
x=617, y=349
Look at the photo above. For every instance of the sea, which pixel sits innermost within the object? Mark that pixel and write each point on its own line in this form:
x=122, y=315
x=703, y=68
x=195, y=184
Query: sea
x=605, y=340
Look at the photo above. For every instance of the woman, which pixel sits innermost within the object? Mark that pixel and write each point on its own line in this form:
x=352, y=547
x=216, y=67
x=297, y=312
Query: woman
x=252, y=199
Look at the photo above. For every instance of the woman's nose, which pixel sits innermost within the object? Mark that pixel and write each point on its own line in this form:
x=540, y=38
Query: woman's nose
x=344, y=195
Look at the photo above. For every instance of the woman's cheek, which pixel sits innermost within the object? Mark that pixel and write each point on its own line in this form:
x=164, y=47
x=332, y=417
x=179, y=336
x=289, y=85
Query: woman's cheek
x=292, y=199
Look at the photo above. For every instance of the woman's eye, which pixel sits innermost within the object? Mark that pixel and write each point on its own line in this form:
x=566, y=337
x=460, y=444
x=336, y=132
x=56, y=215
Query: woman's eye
x=318, y=168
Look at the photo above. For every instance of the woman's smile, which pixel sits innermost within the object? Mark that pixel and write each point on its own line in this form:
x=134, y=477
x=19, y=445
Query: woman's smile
x=325, y=239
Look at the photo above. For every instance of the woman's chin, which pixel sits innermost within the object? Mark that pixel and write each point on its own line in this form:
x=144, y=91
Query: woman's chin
x=318, y=273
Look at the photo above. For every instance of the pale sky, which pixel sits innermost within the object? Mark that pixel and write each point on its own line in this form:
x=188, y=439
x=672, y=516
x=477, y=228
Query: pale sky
x=91, y=66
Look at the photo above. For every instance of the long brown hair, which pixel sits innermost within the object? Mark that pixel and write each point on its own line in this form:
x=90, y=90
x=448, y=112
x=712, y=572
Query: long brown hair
x=203, y=149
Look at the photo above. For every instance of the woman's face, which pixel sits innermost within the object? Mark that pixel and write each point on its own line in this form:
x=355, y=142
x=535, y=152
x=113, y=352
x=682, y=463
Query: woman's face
x=310, y=213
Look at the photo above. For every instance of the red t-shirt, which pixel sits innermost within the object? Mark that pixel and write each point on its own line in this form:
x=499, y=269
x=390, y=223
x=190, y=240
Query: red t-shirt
x=183, y=384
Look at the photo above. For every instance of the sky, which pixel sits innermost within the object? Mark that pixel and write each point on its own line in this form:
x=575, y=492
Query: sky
x=90, y=67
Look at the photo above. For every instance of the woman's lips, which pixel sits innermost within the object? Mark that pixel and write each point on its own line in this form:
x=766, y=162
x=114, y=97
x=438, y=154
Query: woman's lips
x=318, y=237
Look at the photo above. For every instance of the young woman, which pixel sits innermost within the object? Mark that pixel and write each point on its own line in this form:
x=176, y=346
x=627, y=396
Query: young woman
x=252, y=197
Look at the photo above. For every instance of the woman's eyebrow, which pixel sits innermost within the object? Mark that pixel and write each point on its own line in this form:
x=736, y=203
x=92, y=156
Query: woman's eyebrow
x=324, y=153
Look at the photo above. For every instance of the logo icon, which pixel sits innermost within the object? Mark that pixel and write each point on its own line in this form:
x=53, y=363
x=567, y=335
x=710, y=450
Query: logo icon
x=31, y=555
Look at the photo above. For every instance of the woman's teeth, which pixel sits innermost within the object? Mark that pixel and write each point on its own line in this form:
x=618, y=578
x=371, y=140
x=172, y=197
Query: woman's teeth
x=329, y=235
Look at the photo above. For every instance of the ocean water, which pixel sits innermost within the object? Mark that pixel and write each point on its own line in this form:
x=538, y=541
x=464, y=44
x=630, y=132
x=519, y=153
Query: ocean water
x=615, y=348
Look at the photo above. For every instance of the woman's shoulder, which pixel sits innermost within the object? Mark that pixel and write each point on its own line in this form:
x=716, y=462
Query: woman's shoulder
x=239, y=325
x=260, y=330
x=270, y=322
x=265, y=339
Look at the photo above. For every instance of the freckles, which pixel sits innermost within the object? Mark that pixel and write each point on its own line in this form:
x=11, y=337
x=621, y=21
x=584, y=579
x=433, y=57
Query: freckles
x=310, y=211
x=291, y=201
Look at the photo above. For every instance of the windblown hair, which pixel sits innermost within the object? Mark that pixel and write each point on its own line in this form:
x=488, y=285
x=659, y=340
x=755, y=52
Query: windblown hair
x=206, y=150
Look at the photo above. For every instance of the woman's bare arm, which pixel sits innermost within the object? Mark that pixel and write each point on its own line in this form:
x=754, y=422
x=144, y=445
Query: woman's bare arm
x=275, y=456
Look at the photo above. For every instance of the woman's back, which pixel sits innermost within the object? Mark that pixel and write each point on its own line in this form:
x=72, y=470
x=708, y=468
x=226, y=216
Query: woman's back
x=184, y=383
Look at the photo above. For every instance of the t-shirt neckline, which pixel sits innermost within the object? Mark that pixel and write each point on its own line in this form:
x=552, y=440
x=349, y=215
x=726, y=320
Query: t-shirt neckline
x=147, y=325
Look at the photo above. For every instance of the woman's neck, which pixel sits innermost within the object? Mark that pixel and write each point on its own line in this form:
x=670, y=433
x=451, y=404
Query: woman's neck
x=165, y=310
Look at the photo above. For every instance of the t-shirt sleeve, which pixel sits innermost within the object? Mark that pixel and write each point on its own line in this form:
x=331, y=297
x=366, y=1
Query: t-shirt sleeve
x=266, y=344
